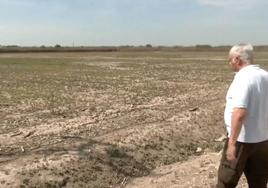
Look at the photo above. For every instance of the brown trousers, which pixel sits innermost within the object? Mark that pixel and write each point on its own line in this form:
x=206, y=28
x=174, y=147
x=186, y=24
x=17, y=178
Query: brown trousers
x=252, y=159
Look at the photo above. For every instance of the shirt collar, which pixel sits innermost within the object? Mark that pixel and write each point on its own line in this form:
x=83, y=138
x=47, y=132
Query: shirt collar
x=248, y=67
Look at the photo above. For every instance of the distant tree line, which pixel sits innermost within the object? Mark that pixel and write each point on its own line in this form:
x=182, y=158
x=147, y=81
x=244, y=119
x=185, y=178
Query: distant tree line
x=146, y=47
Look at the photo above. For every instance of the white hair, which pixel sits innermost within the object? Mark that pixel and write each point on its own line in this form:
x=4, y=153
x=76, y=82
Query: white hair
x=243, y=51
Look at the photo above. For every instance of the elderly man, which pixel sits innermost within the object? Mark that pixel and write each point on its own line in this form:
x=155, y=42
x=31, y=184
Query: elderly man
x=246, y=119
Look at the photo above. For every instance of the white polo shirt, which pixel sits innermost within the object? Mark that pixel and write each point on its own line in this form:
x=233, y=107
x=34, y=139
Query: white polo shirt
x=249, y=90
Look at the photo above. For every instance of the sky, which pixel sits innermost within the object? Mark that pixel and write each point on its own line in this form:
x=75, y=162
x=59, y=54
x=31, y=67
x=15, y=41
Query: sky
x=133, y=22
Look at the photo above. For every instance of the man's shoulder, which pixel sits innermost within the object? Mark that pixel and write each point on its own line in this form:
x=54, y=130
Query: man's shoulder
x=242, y=76
x=250, y=72
x=251, y=78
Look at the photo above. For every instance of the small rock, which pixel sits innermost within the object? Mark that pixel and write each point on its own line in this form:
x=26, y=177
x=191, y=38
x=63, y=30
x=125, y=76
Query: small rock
x=198, y=150
x=211, y=175
x=221, y=139
x=29, y=134
x=22, y=149
x=193, y=109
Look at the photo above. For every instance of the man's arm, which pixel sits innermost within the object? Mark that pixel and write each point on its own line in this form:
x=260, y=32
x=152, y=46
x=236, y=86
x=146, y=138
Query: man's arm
x=238, y=117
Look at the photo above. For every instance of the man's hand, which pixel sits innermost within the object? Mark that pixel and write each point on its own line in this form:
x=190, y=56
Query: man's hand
x=230, y=154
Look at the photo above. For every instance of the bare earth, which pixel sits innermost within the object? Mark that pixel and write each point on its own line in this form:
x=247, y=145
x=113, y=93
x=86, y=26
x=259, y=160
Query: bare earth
x=198, y=172
x=120, y=119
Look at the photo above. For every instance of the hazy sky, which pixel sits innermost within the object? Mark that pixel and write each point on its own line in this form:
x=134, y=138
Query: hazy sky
x=133, y=22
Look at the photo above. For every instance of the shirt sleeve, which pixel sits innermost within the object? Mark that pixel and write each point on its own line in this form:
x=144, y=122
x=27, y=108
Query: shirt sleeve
x=241, y=92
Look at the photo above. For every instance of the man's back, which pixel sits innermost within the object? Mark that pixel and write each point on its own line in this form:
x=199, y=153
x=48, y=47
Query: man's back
x=250, y=90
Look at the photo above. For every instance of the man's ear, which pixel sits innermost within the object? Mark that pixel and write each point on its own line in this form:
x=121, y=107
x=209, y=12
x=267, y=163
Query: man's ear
x=238, y=60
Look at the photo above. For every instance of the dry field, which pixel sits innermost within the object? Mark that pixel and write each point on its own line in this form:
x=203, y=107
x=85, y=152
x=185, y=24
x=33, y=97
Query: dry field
x=102, y=119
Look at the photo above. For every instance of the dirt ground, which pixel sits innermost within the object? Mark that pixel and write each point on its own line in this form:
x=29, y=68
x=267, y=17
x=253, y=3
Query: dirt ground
x=106, y=119
x=197, y=172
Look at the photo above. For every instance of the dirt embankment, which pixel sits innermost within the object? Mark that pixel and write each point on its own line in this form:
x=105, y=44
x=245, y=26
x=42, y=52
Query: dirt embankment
x=197, y=172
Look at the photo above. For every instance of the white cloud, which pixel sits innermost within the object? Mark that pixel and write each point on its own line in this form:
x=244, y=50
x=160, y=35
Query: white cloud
x=233, y=3
x=17, y=2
